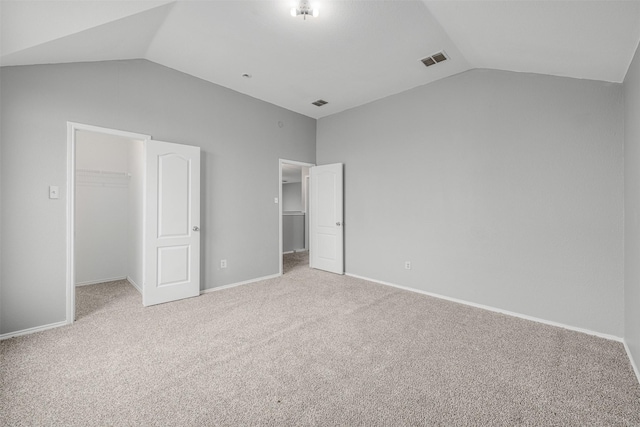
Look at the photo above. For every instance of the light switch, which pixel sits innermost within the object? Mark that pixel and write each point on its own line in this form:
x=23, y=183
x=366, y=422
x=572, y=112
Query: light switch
x=54, y=192
x=275, y=200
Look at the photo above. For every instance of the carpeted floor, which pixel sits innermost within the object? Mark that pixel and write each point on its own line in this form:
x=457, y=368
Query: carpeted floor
x=309, y=348
x=294, y=261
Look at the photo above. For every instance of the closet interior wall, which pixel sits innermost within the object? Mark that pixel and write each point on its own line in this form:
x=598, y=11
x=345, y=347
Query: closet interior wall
x=108, y=210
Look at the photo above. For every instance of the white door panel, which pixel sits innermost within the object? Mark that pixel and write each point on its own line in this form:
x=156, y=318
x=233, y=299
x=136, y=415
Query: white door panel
x=172, y=236
x=173, y=265
x=326, y=236
x=173, y=195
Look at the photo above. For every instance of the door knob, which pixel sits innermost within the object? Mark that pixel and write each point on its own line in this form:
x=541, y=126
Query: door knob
x=196, y=228
x=338, y=224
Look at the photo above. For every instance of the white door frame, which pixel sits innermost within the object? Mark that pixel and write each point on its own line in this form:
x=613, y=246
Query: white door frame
x=71, y=203
x=280, y=163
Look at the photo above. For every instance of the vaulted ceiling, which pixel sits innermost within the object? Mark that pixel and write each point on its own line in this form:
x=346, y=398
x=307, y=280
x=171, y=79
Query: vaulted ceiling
x=355, y=52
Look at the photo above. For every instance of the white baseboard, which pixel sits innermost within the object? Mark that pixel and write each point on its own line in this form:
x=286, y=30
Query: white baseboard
x=134, y=284
x=633, y=363
x=295, y=251
x=95, y=282
x=496, y=310
x=246, y=282
x=32, y=330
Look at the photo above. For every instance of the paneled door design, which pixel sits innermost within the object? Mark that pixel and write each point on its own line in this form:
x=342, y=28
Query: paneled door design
x=172, y=222
x=326, y=236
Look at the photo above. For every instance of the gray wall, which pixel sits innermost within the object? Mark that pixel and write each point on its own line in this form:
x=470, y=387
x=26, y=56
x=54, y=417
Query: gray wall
x=292, y=196
x=632, y=208
x=503, y=189
x=235, y=132
x=293, y=232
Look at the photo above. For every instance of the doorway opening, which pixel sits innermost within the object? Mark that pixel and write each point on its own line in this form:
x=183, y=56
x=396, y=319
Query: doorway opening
x=165, y=225
x=105, y=212
x=293, y=187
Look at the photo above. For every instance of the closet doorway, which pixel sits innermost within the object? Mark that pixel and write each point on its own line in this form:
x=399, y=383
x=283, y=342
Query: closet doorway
x=294, y=214
x=133, y=214
x=108, y=213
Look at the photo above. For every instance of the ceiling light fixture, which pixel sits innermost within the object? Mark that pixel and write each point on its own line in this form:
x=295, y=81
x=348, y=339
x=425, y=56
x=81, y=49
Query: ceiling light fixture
x=305, y=9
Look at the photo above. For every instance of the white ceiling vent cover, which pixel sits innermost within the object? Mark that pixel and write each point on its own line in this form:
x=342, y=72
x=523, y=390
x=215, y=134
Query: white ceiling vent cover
x=435, y=59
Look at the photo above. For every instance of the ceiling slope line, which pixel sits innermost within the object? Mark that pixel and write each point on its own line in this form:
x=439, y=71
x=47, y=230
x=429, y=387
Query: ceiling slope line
x=128, y=37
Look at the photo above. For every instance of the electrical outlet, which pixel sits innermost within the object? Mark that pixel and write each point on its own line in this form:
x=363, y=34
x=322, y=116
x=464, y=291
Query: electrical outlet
x=223, y=263
x=407, y=265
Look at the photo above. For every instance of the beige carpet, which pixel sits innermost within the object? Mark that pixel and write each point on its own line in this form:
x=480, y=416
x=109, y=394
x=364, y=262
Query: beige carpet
x=309, y=348
x=295, y=260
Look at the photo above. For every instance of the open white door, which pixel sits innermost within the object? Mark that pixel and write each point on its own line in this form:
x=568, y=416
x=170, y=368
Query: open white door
x=326, y=251
x=172, y=217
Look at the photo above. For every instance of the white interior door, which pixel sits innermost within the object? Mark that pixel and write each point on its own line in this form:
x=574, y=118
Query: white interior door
x=172, y=221
x=326, y=229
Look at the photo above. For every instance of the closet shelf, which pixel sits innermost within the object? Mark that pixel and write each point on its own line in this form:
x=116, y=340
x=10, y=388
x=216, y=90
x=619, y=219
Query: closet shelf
x=100, y=178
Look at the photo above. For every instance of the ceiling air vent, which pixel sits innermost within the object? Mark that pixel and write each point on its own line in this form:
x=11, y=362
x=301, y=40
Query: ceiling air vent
x=434, y=59
x=320, y=103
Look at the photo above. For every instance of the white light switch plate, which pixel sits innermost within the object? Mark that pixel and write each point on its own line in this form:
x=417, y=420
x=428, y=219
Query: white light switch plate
x=54, y=192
